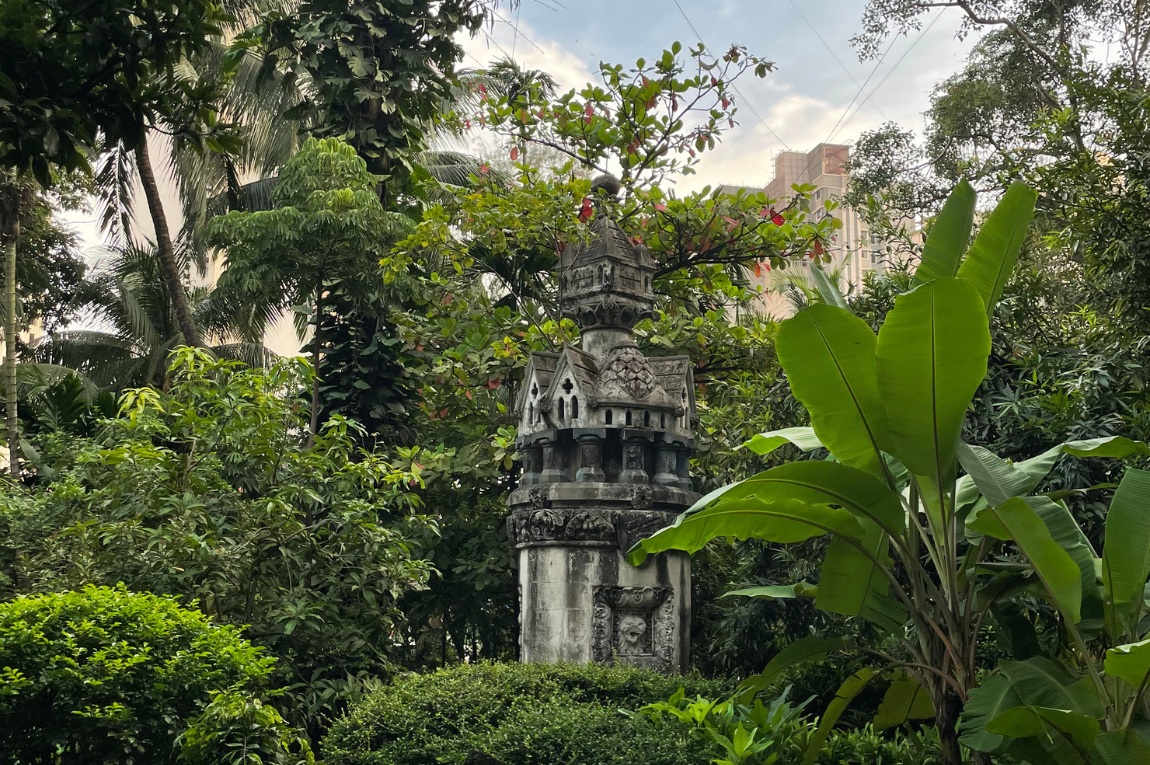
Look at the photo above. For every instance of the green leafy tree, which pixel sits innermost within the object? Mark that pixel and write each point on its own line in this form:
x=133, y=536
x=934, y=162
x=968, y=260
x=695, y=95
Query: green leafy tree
x=106, y=675
x=136, y=327
x=213, y=490
x=890, y=409
x=374, y=74
x=323, y=239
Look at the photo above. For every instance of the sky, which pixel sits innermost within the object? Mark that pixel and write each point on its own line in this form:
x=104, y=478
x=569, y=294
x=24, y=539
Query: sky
x=817, y=75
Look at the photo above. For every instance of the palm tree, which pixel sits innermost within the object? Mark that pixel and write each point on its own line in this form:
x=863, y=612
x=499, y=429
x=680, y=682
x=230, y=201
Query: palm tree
x=136, y=327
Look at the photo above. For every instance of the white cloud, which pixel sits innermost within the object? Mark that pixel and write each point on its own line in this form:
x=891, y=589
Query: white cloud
x=531, y=49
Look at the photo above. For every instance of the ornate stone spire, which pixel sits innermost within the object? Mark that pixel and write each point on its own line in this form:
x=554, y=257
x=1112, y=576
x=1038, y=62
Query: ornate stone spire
x=605, y=285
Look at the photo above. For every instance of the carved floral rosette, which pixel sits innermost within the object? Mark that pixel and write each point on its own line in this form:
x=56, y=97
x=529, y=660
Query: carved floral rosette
x=654, y=605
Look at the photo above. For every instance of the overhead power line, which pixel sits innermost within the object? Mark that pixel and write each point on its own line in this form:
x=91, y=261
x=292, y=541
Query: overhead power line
x=921, y=35
x=733, y=86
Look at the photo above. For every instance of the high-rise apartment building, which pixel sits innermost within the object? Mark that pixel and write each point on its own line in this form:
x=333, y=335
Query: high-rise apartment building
x=854, y=251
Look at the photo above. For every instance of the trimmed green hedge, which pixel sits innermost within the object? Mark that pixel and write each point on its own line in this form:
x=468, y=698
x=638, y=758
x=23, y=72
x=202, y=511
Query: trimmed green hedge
x=514, y=714
x=103, y=675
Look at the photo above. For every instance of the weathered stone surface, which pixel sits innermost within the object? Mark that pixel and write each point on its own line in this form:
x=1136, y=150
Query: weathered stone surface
x=607, y=435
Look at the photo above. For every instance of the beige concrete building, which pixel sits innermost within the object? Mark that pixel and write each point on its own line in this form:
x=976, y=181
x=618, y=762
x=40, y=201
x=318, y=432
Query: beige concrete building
x=854, y=251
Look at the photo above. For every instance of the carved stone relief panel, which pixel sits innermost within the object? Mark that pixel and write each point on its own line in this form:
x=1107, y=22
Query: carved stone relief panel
x=634, y=626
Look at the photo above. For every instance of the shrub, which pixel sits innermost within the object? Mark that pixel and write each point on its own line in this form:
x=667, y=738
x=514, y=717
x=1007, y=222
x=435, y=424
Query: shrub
x=506, y=714
x=104, y=675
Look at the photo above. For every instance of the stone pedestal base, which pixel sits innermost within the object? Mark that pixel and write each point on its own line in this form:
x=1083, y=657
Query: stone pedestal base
x=580, y=600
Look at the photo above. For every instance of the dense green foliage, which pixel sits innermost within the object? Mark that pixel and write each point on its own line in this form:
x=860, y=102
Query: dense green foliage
x=104, y=675
x=891, y=410
x=510, y=713
x=213, y=490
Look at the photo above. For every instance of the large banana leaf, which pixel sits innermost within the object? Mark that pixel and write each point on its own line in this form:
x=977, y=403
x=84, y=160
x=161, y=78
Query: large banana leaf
x=1126, y=557
x=763, y=444
x=948, y=237
x=1130, y=662
x=782, y=521
x=985, y=703
x=997, y=479
x=1121, y=747
x=1064, y=530
x=904, y=700
x=817, y=482
x=931, y=357
x=829, y=358
x=804, y=649
x=1017, y=520
x=995, y=249
x=846, y=693
x=1063, y=733
x=853, y=583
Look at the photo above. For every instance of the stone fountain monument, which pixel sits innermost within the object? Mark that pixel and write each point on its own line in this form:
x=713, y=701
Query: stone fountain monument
x=607, y=435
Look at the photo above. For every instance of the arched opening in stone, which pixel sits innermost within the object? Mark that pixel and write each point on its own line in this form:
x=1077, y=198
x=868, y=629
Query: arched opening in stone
x=646, y=419
x=561, y=409
x=662, y=421
x=627, y=420
x=574, y=407
x=607, y=417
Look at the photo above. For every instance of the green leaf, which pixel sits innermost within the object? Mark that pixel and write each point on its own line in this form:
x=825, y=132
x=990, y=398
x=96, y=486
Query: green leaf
x=1040, y=682
x=852, y=582
x=829, y=358
x=1017, y=520
x=1110, y=446
x=995, y=249
x=996, y=478
x=904, y=700
x=765, y=443
x=776, y=591
x=1130, y=662
x=931, y=357
x=782, y=521
x=949, y=235
x=1064, y=530
x=804, y=649
x=843, y=697
x=1126, y=557
x=985, y=703
x=818, y=482
x=1122, y=747
x=828, y=290
x=1078, y=730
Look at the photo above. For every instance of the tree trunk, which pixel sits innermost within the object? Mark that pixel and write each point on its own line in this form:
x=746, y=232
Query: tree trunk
x=315, y=366
x=10, y=350
x=168, y=266
x=947, y=710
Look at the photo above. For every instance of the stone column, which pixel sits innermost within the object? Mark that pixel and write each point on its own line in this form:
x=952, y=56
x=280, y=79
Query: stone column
x=683, y=467
x=590, y=456
x=666, y=464
x=532, y=457
x=552, y=461
x=634, y=460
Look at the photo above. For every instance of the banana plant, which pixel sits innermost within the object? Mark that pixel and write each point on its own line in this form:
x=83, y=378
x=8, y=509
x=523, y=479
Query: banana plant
x=893, y=499
x=1092, y=708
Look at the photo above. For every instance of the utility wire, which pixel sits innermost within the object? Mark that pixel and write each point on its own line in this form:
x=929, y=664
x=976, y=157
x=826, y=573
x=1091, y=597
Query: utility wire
x=881, y=59
x=921, y=35
x=733, y=85
x=830, y=50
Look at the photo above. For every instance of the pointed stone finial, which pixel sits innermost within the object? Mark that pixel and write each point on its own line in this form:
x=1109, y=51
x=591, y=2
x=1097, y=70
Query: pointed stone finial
x=605, y=184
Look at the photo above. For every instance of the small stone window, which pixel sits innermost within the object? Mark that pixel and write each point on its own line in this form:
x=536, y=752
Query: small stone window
x=561, y=409
x=574, y=407
x=627, y=419
x=531, y=413
x=662, y=421
x=646, y=419
x=567, y=386
x=607, y=417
